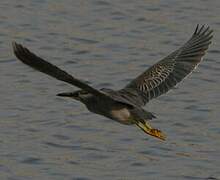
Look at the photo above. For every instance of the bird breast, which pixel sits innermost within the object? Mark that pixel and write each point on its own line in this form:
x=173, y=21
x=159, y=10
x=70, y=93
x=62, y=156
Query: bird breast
x=121, y=115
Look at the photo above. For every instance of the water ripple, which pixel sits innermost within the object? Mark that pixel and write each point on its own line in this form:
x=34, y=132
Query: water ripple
x=83, y=40
x=214, y=51
x=74, y=147
x=31, y=160
x=8, y=60
x=123, y=38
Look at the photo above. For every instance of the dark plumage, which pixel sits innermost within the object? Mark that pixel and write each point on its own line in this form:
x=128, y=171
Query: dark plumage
x=165, y=74
x=125, y=105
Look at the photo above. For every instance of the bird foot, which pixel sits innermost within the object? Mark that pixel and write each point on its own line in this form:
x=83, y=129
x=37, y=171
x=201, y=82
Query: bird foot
x=157, y=133
x=151, y=131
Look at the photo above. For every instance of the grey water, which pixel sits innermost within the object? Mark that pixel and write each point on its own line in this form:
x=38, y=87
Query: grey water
x=106, y=43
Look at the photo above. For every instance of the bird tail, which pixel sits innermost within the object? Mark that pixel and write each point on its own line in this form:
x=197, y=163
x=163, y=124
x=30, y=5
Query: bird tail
x=151, y=131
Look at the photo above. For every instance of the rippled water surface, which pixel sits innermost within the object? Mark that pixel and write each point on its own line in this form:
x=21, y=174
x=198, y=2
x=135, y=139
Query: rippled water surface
x=106, y=43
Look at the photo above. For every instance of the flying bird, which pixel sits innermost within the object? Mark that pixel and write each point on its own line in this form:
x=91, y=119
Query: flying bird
x=126, y=105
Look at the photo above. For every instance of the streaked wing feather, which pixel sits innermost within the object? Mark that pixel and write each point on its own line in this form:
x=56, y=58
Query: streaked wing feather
x=165, y=74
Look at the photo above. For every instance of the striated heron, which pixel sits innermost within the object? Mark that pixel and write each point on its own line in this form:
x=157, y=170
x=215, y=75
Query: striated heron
x=125, y=105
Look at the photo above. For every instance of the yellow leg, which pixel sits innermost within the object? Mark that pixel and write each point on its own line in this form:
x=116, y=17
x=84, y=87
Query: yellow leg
x=149, y=130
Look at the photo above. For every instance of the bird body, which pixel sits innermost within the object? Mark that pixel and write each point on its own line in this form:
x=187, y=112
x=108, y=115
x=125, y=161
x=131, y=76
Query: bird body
x=118, y=111
x=125, y=105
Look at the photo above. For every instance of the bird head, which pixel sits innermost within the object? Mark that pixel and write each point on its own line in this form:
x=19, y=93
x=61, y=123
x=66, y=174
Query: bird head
x=80, y=95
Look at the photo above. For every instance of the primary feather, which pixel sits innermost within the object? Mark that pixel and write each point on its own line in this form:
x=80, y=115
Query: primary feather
x=165, y=74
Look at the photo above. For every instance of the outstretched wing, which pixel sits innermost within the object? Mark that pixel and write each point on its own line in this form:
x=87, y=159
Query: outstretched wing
x=165, y=74
x=30, y=59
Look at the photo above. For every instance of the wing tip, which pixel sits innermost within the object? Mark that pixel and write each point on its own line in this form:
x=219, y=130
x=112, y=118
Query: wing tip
x=21, y=52
x=14, y=46
x=17, y=48
x=201, y=30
